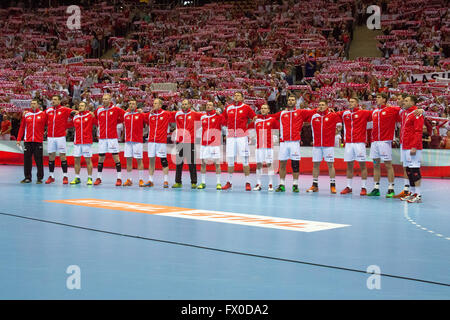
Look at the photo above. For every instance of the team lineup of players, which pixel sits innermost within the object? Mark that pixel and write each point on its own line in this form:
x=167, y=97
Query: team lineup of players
x=237, y=118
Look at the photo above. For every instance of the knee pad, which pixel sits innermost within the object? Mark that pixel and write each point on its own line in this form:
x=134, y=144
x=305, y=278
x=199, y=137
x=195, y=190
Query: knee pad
x=295, y=164
x=415, y=174
x=102, y=154
x=115, y=154
x=164, y=162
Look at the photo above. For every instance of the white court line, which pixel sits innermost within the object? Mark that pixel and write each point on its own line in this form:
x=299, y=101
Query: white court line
x=405, y=214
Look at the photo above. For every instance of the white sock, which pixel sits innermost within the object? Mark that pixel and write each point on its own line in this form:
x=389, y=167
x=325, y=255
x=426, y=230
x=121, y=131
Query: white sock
x=377, y=185
x=258, y=176
x=166, y=178
x=77, y=176
x=141, y=174
x=271, y=177
x=218, y=178
x=391, y=186
x=119, y=175
x=52, y=175
x=230, y=178
x=413, y=190
x=295, y=182
x=349, y=183
x=282, y=182
x=99, y=175
x=417, y=190
x=203, y=178
x=363, y=183
x=89, y=177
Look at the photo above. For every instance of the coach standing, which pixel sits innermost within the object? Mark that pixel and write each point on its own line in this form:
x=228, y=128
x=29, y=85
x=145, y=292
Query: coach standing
x=32, y=129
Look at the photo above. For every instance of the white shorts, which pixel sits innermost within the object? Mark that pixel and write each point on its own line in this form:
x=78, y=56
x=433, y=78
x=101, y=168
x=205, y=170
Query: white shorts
x=289, y=150
x=325, y=153
x=264, y=155
x=381, y=150
x=237, y=146
x=157, y=150
x=133, y=150
x=210, y=152
x=84, y=150
x=403, y=156
x=413, y=161
x=108, y=146
x=355, y=151
x=57, y=145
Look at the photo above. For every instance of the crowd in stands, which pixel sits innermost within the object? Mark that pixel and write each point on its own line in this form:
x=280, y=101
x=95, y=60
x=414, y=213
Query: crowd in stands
x=264, y=48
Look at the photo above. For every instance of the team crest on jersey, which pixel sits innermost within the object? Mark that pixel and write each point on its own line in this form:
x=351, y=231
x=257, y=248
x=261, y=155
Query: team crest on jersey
x=86, y=119
x=110, y=112
x=326, y=119
x=136, y=117
x=39, y=117
x=213, y=120
x=189, y=117
x=356, y=116
x=59, y=112
x=160, y=118
x=383, y=113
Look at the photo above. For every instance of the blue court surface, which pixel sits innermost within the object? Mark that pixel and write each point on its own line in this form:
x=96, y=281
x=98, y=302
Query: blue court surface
x=344, y=247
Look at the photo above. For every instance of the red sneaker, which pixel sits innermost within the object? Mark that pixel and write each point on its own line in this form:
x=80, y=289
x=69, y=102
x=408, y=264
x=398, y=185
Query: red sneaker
x=363, y=192
x=65, y=180
x=50, y=180
x=227, y=186
x=118, y=183
x=346, y=190
x=248, y=187
x=97, y=181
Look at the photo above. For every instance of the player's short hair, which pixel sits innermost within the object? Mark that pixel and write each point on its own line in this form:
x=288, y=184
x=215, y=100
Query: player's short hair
x=240, y=92
x=324, y=100
x=413, y=98
x=37, y=101
x=354, y=98
x=58, y=96
x=292, y=95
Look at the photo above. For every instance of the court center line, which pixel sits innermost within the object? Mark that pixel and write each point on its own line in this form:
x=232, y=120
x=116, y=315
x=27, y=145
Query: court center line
x=221, y=250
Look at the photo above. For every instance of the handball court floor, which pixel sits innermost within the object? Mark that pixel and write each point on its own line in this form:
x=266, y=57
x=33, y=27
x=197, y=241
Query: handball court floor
x=130, y=254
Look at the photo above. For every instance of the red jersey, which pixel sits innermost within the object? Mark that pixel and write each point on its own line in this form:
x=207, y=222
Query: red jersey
x=158, y=124
x=134, y=123
x=264, y=126
x=32, y=126
x=412, y=133
x=108, y=118
x=5, y=125
x=323, y=126
x=355, y=124
x=403, y=115
x=57, y=121
x=212, y=123
x=186, y=125
x=384, y=120
x=237, y=117
x=291, y=123
x=83, y=123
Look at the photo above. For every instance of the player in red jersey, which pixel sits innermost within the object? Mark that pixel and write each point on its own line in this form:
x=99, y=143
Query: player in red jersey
x=32, y=128
x=83, y=122
x=108, y=116
x=264, y=125
x=290, y=124
x=412, y=144
x=57, y=123
x=355, y=128
x=158, y=123
x=187, y=122
x=323, y=125
x=134, y=122
x=237, y=116
x=210, y=150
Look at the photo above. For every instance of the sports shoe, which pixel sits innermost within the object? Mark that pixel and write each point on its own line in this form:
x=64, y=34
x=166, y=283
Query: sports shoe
x=416, y=198
x=75, y=181
x=248, y=187
x=333, y=189
x=97, y=181
x=218, y=186
x=363, y=192
x=25, y=181
x=313, y=189
x=193, y=186
x=281, y=188
x=257, y=188
x=402, y=194
x=270, y=188
x=141, y=183
x=128, y=183
x=166, y=185
x=408, y=197
x=65, y=180
x=374, y=193
x=177, y=185
x=89, y=182
x=390, y=194
x=227, y=186
x=149, y=184
x=347, y=190
x=295, y=188
x=39, y=181
x=118, y=182
x=201, y=186
x=50, y=180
